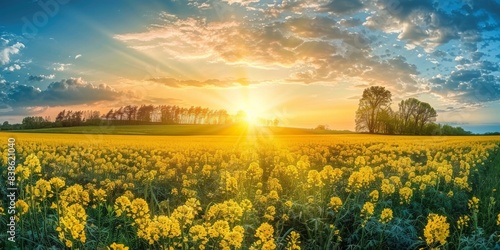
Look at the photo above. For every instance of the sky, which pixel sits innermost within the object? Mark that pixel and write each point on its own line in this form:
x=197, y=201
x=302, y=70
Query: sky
x=305, y=62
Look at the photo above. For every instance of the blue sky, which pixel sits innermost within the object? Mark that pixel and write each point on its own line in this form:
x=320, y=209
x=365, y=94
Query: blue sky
x=305, y=62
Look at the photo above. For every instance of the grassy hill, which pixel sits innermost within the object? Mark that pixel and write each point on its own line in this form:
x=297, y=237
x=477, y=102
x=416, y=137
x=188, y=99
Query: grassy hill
x=181, y=130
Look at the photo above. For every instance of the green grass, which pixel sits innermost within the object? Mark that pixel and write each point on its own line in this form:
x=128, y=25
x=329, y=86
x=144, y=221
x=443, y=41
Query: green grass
x=181, y=130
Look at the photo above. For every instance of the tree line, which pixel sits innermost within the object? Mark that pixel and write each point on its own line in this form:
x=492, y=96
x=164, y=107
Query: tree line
x=169, y=114
x=413, y=117
x=131, y=115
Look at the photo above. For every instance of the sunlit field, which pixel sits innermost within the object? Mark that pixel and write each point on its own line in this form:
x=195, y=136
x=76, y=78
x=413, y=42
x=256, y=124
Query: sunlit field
x=254, y=192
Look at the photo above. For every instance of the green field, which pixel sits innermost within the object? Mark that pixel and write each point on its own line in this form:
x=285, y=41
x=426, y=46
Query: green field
x=180, y=130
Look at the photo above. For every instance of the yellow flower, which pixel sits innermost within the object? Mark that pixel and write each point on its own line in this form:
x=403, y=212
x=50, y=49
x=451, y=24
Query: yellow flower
x=228, y=210
x=33, y=164
x=361, y=179
x=386, y=215
x=367, y=210
x=463, y=221
x=185, y=215
x=235, y=237
x=437, y=230
x=57, y=183
x=273, y=195
x=374, y=195
x=72, y=224
x=387, y=187
x=293, y=241
x=115, y=246
x=218, y=229
x=122, y=205
x=42, y=190
x=99, y=195
x=270, y=212
x=74, y=194
x=22, y=207
x=473, y=205
x=405, y=195
x=198, y=233
x=335, y=203
x=498, y=219
x=314, y=179
x=246, y=205
x=160, y=227
x=265, y=232
x=22, y=173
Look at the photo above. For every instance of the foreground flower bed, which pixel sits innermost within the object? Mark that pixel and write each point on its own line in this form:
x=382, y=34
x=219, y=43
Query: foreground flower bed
x=287, y=192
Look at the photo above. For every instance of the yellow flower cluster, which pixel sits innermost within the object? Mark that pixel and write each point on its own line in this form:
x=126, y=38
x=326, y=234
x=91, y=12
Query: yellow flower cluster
x=42, y=190
x=498, y=219
x=314, y=179
x=99, y=195
x=473, y=205
x=270, y=213
x=161, y=227
x=74, y=194
x=405, y=195
x=30, y=166
x=367, y=210
x=331, y=175
x=220, y=232
x=335, y=203
x=436, y=230
x=229, y=211
x=122, y=206
x=374, y=196
x=463, y=222
x=57, y=183
x=254, y=171
x=361, y=179
x=387, y=187
x=293, y=241
x=185, y=215
x=386, y=216
x=22, y=173
x=265, y=234
x=72, y=225
x=198, y=235
x=116, y=246
x=22, y=207
x=272, y=184
x=152, y=229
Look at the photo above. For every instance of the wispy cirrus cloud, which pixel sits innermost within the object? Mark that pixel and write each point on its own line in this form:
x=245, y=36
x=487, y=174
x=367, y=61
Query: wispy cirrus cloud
x=216, y=83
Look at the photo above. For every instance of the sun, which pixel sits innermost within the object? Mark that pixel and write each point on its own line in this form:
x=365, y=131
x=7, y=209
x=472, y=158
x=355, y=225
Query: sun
x=252, y=117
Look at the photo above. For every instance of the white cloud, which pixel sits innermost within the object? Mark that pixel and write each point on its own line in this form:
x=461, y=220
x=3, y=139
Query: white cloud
x=7, y=51
x=241, y=2
x=61, y=66
x=12, y=68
